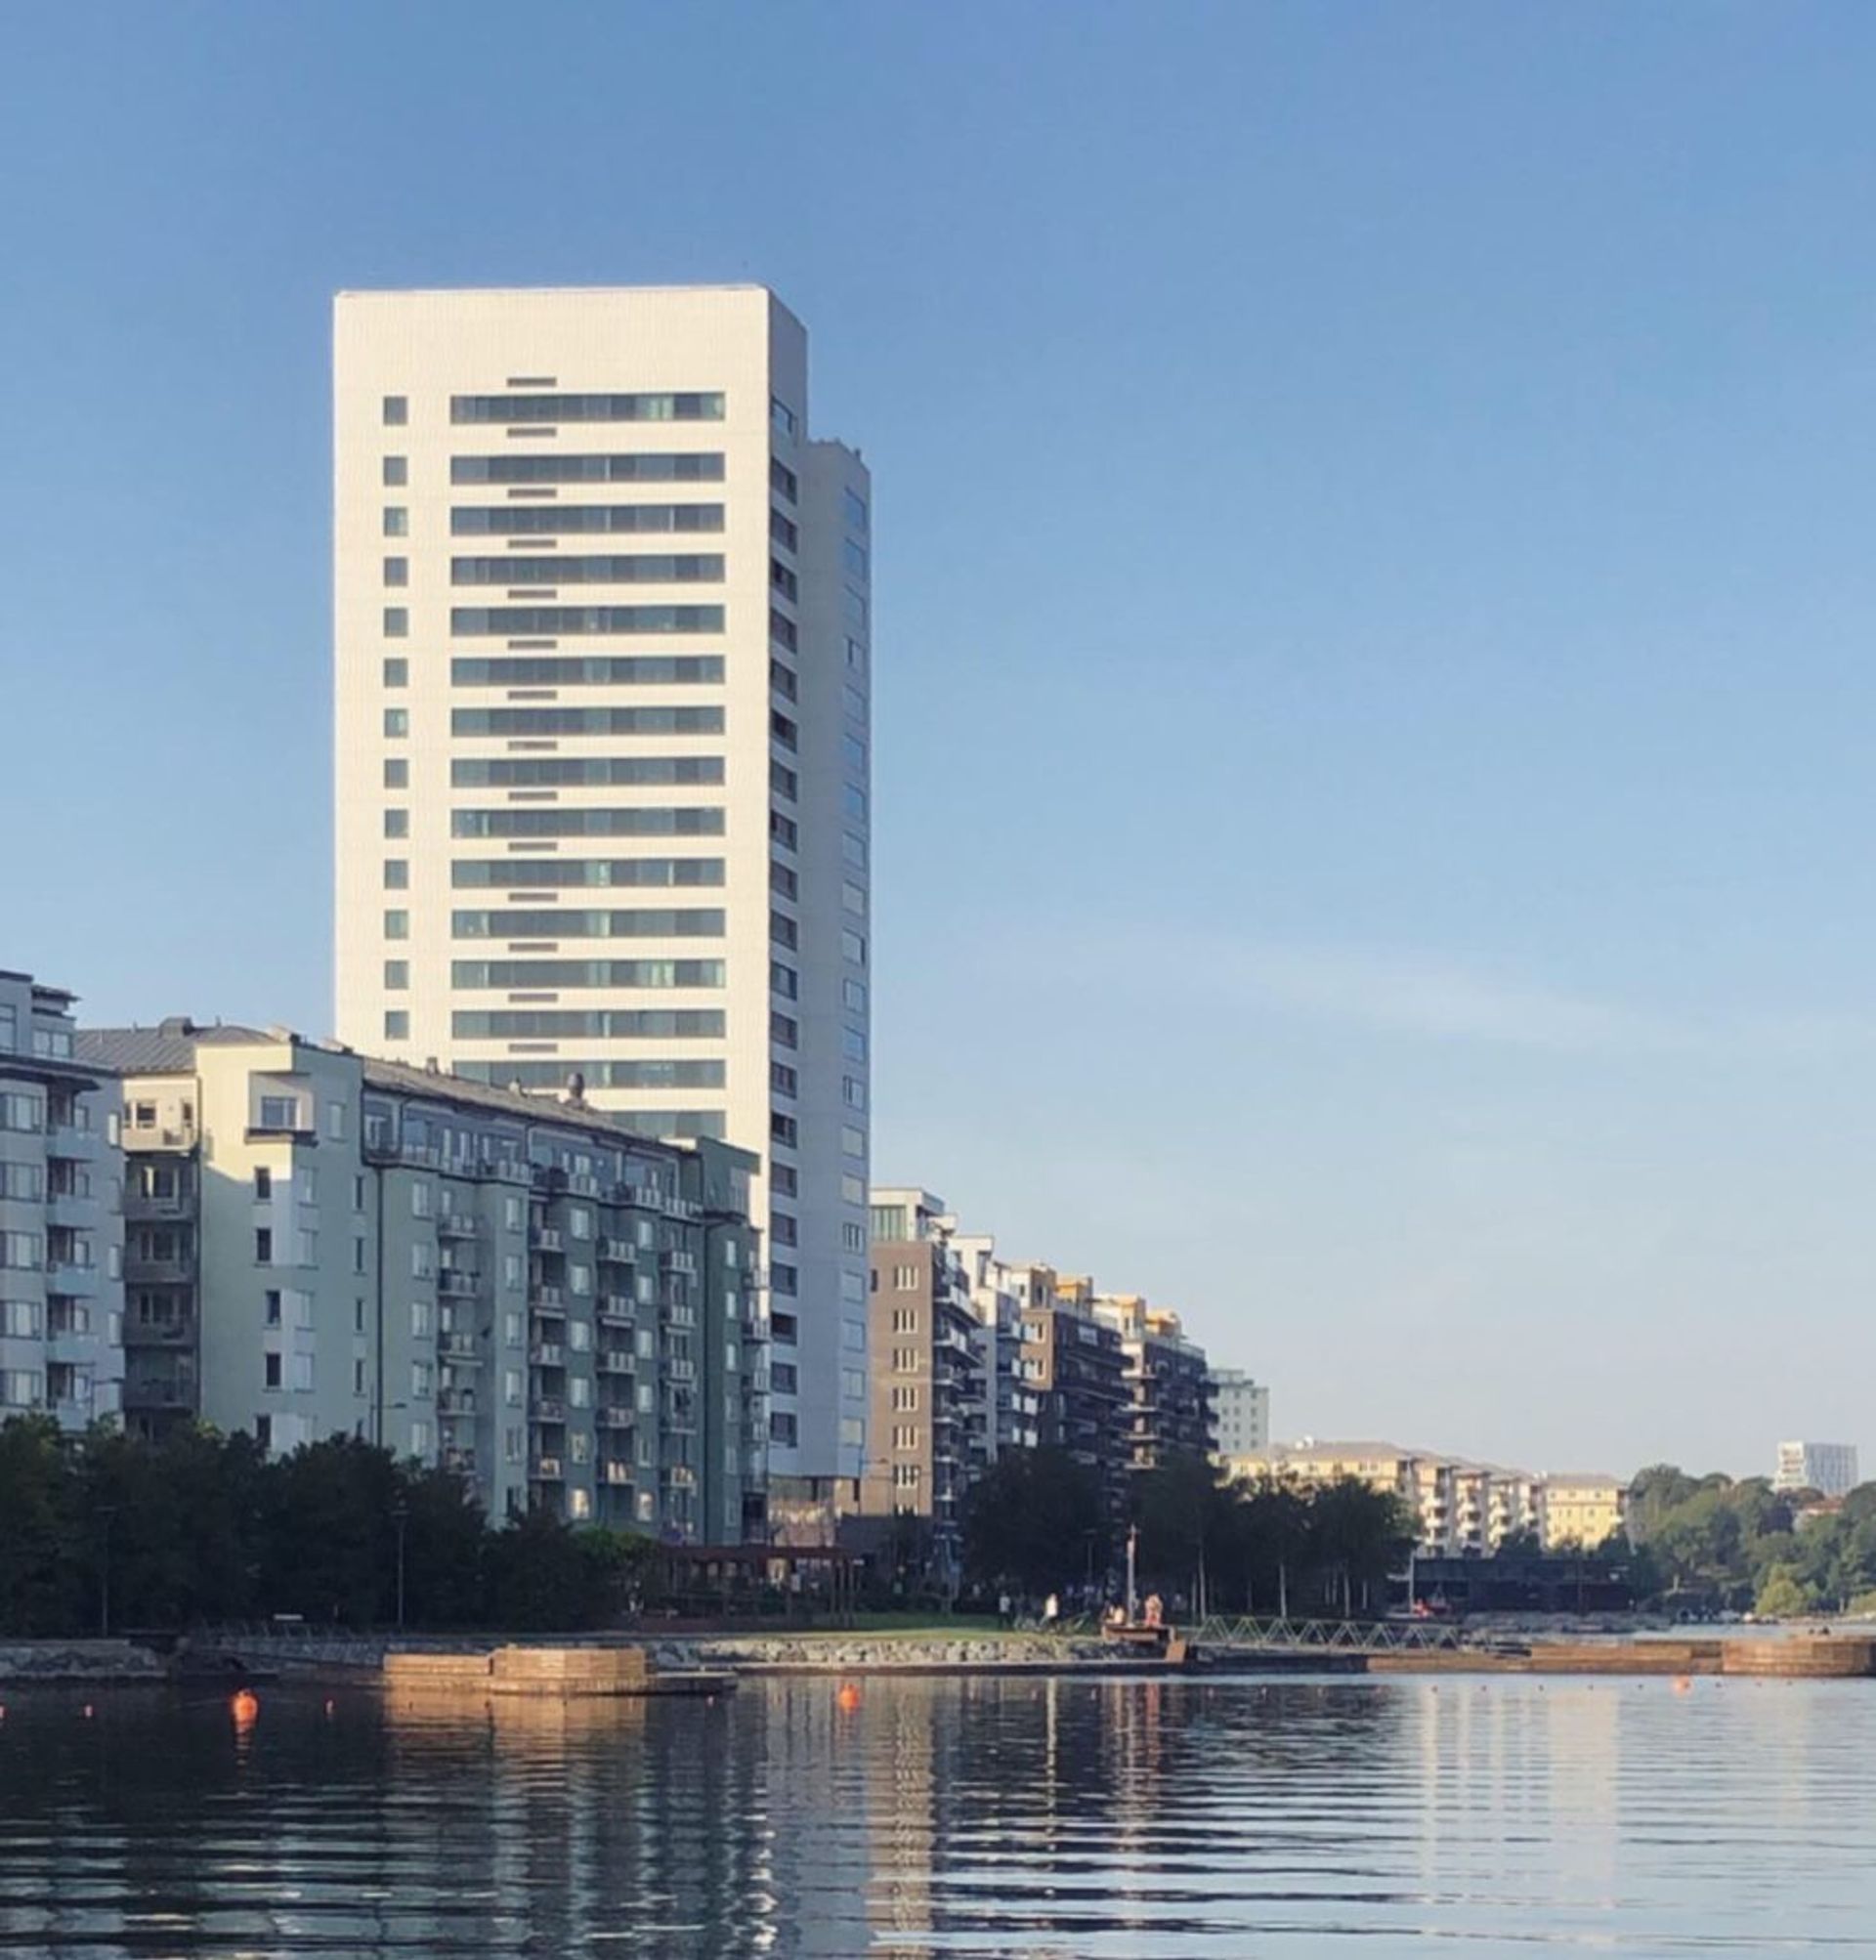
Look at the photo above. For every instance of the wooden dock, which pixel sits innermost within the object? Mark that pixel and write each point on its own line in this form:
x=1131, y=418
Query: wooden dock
x=1793, y=1657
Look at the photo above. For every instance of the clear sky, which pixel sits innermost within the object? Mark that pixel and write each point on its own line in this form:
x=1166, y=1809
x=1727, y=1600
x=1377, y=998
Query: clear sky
x=1374, y=595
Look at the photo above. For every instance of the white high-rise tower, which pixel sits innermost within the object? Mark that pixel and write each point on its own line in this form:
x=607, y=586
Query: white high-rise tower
x=603, y=650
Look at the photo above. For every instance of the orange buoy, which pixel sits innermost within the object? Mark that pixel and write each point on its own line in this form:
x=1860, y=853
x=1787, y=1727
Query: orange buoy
x=848, y=1697
x=1682, y=1684
x=245, y=1708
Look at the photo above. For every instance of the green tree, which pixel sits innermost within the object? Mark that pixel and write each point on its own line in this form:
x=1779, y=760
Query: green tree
x=1035, y=1520
x=1785, y=1595
x=40, y=1586
x=1359, y=1534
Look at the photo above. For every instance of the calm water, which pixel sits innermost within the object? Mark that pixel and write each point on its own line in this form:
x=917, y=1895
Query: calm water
x=981, y=1818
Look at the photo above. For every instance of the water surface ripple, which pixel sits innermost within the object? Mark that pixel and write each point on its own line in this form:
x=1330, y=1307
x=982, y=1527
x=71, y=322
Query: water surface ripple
x=1004, y=1816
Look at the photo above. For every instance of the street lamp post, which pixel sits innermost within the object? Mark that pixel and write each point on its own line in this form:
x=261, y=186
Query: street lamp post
x=105, y=1514
x=400, y=1512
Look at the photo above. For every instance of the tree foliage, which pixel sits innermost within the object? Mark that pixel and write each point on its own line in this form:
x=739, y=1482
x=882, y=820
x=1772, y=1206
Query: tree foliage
x=1743, y=1545
x=1268, y=1547
x=202, y=1528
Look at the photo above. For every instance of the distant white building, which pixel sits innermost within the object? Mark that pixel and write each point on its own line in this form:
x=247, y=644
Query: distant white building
x=1243, y=1406
x=1826, y=1467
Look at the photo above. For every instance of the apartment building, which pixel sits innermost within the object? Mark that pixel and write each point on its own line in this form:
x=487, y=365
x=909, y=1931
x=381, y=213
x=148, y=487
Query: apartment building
x=1073, y=1362
x=1011, y=1404
x=927, y=1372
x=1458, y=1508
x=1241, y=1405
x=1583, y=1510
x=525, y=1292
x=1829, y=1468
x=61, y=1222
x=603, y=660
x=1168, y=1384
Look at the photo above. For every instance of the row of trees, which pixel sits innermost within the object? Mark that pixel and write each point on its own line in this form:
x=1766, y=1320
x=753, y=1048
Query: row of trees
x=204, y=1528
x=1714, y=1542
x=1037, y=1521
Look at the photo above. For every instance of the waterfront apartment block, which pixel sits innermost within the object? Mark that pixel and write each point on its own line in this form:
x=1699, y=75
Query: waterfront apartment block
x=1458, y=1508
x=522, y=1291
x=1242, y=1406
x=1581, y=1510
x=1829, y=1468
x=1011, y=1404
x=1168, y=1384
x=925, y=1342
x=60, y=1224
x=602, y=620
x=1073, y=1361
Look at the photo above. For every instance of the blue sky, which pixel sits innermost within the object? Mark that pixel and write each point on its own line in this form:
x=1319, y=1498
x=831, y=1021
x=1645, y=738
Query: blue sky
x=1374, y=594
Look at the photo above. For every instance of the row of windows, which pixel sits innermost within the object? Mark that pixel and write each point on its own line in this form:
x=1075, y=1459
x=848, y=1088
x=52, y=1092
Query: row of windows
x=481, y=772
x=587, y=721
x=470, y=620
x=640, y=823
x=586, y=407
x=697, y=922
x=611, y=973
x=523, y=520
x=610, y=1024
x=686, y=1124
x=625, y=670
x=509, y=872
x=698, y=568
x=651, y=466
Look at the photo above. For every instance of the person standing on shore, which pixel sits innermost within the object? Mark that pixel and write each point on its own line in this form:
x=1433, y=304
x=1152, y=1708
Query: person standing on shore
x=1003, y=1609
x=1051, y=1612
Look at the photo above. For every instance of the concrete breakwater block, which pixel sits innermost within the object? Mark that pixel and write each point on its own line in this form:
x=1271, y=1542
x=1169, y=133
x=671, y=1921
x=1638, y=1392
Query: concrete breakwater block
x=523, y=1671
x=1803, y=1657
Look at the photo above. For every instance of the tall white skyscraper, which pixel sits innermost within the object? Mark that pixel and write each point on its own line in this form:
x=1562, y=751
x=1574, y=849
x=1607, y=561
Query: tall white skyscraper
x=603, y=674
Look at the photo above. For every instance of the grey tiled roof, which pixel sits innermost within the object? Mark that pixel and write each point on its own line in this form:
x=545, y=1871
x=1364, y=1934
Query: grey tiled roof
x=155, y=1050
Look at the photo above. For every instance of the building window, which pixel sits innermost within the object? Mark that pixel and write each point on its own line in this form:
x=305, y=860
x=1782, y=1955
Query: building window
x=397, y=771
x=263, y=1247
x=396, y=925
x=397, y=673
x=397, y=1024
x=397, y=410
x=397, y=572
x=271, y=1377
x=396, y=722
x=397, y=823
x=396, y=470
x=397, y=622
x=263, y=1182
x=397, y=521
x=396, y=975
x=397, y=874
x=270, y=1306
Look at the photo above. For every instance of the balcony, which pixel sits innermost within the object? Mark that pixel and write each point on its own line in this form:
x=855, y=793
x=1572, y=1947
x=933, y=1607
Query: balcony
x=617, y=1361
x=159, y=1398
x=458, y=1347
x=611, y=1416
x=179, y=1333
x=148, y=1206
x=676, y=1370
x=62, y=1277
x=177, y=1136
x=76, y=1211
x=617, y=1474
x=547, y=1354
x=67, y=1143
x=546, y=1469
x=455, y=1225
x=547, y=1300
x=461, y=1460
x=678, y=1261
x=178, y=1270
x=615, y=1310
x=455, y=1283
x=545, y=1239
x=455, y=1401
x=547, y=1408
x=618, y=1252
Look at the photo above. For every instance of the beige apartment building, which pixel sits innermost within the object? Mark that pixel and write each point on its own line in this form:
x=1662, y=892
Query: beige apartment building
x=1585, y=1511
x=61, y=1217
x=522, y=1291
x=1168, y=1384
x=602, y=619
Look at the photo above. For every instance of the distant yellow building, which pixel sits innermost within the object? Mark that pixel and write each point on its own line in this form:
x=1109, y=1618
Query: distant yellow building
x=1585, y=1511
